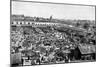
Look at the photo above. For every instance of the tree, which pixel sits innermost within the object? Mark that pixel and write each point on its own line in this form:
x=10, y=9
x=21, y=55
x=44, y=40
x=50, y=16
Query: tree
x=86, y=25
x=37, y=19
x=78, y=24
x=50, y=18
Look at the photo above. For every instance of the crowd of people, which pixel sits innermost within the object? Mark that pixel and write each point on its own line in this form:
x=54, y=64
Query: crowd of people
x=48, y=44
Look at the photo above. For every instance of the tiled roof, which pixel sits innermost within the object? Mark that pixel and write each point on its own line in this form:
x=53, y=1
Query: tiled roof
x=87, y=49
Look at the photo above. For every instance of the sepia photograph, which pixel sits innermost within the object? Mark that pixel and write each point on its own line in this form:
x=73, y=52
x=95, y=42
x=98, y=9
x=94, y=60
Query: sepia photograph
x=44, y=33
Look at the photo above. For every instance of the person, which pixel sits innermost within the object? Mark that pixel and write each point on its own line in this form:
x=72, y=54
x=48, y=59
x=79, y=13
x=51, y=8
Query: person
x=33, y=62
x=38, y=61
x=67, y=59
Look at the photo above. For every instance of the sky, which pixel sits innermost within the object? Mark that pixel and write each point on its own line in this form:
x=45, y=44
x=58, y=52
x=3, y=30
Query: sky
x=59, y=11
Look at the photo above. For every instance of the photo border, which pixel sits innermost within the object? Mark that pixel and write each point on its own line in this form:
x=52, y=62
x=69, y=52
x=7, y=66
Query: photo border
x=49, y=3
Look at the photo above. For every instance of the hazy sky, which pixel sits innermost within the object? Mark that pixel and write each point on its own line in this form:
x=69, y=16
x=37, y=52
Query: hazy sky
x=59, y=11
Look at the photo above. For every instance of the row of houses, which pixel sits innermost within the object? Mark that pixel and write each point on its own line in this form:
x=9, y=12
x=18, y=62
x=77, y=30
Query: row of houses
x=22, y=23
